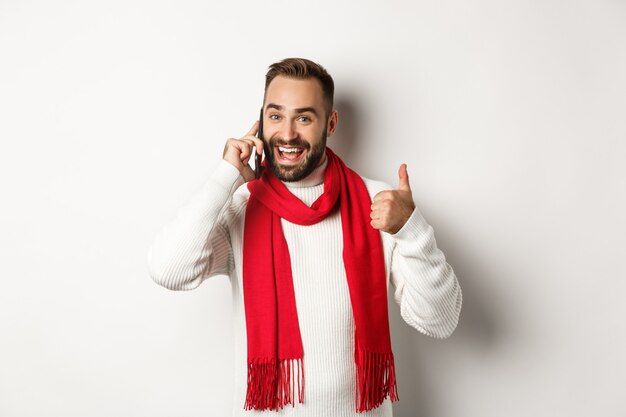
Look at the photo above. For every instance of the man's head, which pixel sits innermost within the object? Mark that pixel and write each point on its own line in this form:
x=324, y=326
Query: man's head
x=298, y=116
x=302, y=69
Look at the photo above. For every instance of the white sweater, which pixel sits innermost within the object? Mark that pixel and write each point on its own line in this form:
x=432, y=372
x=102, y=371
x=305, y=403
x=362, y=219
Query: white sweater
x=206, y=239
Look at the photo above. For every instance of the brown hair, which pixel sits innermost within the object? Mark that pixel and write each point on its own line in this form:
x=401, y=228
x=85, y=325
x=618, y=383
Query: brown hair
x=301, y=68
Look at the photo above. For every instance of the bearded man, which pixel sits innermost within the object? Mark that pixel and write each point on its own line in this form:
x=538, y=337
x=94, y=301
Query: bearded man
x=310, y=248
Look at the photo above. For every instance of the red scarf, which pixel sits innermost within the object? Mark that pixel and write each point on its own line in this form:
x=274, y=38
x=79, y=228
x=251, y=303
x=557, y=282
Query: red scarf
x=275, y=350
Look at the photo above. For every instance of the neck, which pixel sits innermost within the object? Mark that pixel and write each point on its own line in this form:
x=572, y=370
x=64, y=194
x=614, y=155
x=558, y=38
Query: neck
x=314, y=178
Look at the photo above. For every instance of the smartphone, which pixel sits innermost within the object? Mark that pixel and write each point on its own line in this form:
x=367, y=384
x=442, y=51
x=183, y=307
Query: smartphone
x=257, y=157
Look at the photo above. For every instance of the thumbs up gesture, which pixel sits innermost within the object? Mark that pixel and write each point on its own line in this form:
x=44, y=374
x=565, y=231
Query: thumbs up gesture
x=392, y=208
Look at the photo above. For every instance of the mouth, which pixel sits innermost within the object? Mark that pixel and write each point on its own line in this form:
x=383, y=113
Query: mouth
x=289, y=155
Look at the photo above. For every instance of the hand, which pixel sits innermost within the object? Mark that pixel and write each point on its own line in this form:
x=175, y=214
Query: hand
x=392, y=208
x=238, y=151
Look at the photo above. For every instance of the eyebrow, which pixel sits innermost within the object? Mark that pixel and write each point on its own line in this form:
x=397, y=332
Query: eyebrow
x=298, y=110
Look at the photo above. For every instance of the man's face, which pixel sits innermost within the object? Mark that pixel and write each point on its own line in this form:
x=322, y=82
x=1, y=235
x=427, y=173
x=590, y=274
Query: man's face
x=295, y=127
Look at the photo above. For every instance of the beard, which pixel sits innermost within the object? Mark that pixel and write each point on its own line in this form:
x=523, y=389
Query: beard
x=291, y=173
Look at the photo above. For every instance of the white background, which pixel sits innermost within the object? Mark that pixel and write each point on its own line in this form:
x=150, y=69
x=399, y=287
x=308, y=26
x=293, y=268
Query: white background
x=510, y=115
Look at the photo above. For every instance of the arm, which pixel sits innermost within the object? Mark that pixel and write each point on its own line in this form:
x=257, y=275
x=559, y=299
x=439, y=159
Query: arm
x=195, y=244
x=427, y=289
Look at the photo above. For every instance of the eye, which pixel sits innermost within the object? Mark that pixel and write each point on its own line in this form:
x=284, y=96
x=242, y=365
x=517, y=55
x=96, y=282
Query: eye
x=304, y=119
x=274, y=117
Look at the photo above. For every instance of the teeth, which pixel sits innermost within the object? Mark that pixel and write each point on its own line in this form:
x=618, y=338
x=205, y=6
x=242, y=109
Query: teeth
x=291, y=150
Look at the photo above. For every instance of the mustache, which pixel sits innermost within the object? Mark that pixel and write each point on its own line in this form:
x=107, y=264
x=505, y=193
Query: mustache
x=299, y=143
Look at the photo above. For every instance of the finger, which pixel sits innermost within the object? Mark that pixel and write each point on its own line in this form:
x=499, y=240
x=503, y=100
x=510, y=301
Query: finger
x=253, y=129
x=253, y=143
x=379, y=205
x=381, y=196
x=379, y=224
x=237, y=148
x=403, y=176
x=258, y=143
x=245, y=149
x=376, y=224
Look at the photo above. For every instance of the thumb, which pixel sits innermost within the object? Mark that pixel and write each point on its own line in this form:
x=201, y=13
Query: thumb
x=403, y=183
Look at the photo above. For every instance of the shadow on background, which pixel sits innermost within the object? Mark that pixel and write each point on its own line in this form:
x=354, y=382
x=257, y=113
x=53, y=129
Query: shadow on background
x=419, y=356
x=415, y=352
x=345, y=141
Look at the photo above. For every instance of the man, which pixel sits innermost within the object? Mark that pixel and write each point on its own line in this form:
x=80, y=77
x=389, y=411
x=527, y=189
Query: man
x=310, y=248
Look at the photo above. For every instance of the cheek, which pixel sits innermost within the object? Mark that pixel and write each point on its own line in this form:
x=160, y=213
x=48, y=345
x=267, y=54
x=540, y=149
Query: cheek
x=267, y=135
x=314, y=134
x=273, y=134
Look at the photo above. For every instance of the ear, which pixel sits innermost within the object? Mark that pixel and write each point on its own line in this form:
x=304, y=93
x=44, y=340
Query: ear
x=333, y=119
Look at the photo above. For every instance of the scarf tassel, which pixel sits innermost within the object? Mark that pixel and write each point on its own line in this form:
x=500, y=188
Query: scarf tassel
x=272, y=384
x=376, y=380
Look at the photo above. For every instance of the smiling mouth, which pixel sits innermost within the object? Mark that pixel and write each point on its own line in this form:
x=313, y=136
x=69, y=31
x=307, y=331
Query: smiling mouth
x=288, y=154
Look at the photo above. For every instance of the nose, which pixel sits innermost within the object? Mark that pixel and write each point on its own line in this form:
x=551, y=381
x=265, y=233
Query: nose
x=288, y=131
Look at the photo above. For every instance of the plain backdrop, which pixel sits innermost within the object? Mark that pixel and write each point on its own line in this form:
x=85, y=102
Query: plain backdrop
x=510, y=116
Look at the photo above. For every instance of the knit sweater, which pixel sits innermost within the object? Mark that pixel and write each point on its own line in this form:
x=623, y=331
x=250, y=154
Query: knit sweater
x=206, y=239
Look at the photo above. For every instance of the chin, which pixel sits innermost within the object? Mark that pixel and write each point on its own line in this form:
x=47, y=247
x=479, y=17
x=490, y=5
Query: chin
x=293, y=173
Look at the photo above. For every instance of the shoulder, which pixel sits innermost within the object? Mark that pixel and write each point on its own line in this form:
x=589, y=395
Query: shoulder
x=375, y=186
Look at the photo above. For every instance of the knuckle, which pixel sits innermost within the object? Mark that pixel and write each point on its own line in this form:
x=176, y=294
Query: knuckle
x=379, y=196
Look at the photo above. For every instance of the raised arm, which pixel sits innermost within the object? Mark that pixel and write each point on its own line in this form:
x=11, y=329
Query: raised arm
x=196, y=243
x=427, y=289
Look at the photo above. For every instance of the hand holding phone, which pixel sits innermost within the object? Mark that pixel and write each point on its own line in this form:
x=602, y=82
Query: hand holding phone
x=238, y=152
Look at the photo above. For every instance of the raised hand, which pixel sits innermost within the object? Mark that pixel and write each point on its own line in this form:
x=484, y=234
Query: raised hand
x=238, y=151
x=392, y=208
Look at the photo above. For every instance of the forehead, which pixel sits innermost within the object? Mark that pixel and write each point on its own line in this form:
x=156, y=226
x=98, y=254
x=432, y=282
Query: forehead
x=295, y=93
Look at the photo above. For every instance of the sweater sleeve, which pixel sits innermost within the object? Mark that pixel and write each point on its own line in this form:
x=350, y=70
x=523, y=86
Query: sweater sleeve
x=426, y=288
x=196, y=244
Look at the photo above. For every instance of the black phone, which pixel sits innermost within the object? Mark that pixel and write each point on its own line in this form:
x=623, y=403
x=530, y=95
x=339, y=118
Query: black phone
x=257, y=157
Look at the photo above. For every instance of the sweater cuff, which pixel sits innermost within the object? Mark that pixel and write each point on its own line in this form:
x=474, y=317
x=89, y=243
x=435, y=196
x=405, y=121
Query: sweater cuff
x=414, y=227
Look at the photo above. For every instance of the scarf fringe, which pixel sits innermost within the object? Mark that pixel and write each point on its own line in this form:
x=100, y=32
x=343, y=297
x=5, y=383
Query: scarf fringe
x=272, y=384
x=375, y=379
